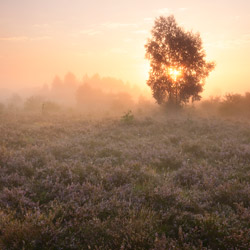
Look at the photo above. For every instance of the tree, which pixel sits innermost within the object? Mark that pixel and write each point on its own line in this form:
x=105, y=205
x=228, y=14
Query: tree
x=177, y=63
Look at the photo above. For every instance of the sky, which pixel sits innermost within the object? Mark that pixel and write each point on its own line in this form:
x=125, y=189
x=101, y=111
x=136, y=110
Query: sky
x=41, y=39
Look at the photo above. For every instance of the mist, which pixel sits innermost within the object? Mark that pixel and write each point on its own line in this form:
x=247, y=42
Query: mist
x=124, y=125
x=91, y=94
x=105, y=96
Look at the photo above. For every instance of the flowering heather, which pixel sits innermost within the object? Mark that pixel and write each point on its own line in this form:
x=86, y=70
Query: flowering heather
x=159, y=182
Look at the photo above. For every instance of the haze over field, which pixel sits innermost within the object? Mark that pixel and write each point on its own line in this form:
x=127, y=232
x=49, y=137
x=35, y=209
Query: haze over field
x=41, y=39
x=121, y=127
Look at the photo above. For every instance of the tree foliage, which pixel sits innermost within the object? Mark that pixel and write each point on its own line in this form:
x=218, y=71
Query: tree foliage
x=178, y=68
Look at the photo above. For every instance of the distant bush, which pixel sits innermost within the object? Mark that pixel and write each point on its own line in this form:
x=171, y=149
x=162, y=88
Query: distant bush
x=229, y=105
x=50, y=107
x=34, y=103
x=128, y=117
x=235, y=105
x=211, y=105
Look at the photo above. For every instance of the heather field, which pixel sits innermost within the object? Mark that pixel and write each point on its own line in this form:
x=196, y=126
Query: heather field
x=155, y=181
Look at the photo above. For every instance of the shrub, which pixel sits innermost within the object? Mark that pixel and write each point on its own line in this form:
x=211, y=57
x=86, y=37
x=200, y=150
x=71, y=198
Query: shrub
x=128, y=117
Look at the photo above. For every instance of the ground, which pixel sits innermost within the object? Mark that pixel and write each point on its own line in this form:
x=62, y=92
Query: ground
x=154, y=181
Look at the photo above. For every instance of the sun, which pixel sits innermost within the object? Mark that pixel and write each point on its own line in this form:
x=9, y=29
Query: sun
x=174, y=73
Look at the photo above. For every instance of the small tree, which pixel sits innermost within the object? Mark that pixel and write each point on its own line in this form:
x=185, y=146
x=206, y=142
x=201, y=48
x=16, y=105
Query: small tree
x=177, y=61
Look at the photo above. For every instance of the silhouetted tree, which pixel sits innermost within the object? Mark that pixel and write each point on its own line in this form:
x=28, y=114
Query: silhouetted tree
x=177, y=63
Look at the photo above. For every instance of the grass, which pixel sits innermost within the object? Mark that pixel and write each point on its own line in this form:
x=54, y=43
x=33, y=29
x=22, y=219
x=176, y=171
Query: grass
x=159, y=182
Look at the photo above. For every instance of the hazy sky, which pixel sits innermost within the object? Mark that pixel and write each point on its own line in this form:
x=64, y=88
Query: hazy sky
x=39, y=39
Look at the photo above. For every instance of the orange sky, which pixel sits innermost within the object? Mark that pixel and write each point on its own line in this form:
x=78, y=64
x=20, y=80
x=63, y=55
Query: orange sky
x=39, y=39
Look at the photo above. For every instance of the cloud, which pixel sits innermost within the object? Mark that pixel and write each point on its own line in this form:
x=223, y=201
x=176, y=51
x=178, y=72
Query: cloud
x=90, y=32
x=99, y=28
x=141, y=32
x=114, y=25
x=164, y=11
x=24, y=38
x=84, y=54
x=40, y=38
x=14, y=38
x=235, y=18
x=128, y=40
x=230, y=43
x=42, y=25
x=148, y=20
x=118, y=51
x=167, y=11
x=182, y=9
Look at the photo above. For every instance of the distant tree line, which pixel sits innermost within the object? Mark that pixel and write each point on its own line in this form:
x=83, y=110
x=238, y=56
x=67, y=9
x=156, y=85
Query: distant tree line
x=228, y=105
x=89, y=94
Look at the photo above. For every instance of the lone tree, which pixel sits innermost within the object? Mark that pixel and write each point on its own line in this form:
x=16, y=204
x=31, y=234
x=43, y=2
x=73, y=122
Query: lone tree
x=177, y=63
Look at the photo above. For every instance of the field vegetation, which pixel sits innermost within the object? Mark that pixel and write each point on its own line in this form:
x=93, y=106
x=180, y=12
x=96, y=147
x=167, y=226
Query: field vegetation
x=138, y=180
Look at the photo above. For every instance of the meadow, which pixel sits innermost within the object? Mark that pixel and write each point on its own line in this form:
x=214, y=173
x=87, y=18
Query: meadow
x=140, y=181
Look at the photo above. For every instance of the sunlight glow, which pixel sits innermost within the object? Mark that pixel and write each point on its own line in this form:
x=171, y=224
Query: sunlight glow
x=38, y=40
x=174, y=73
